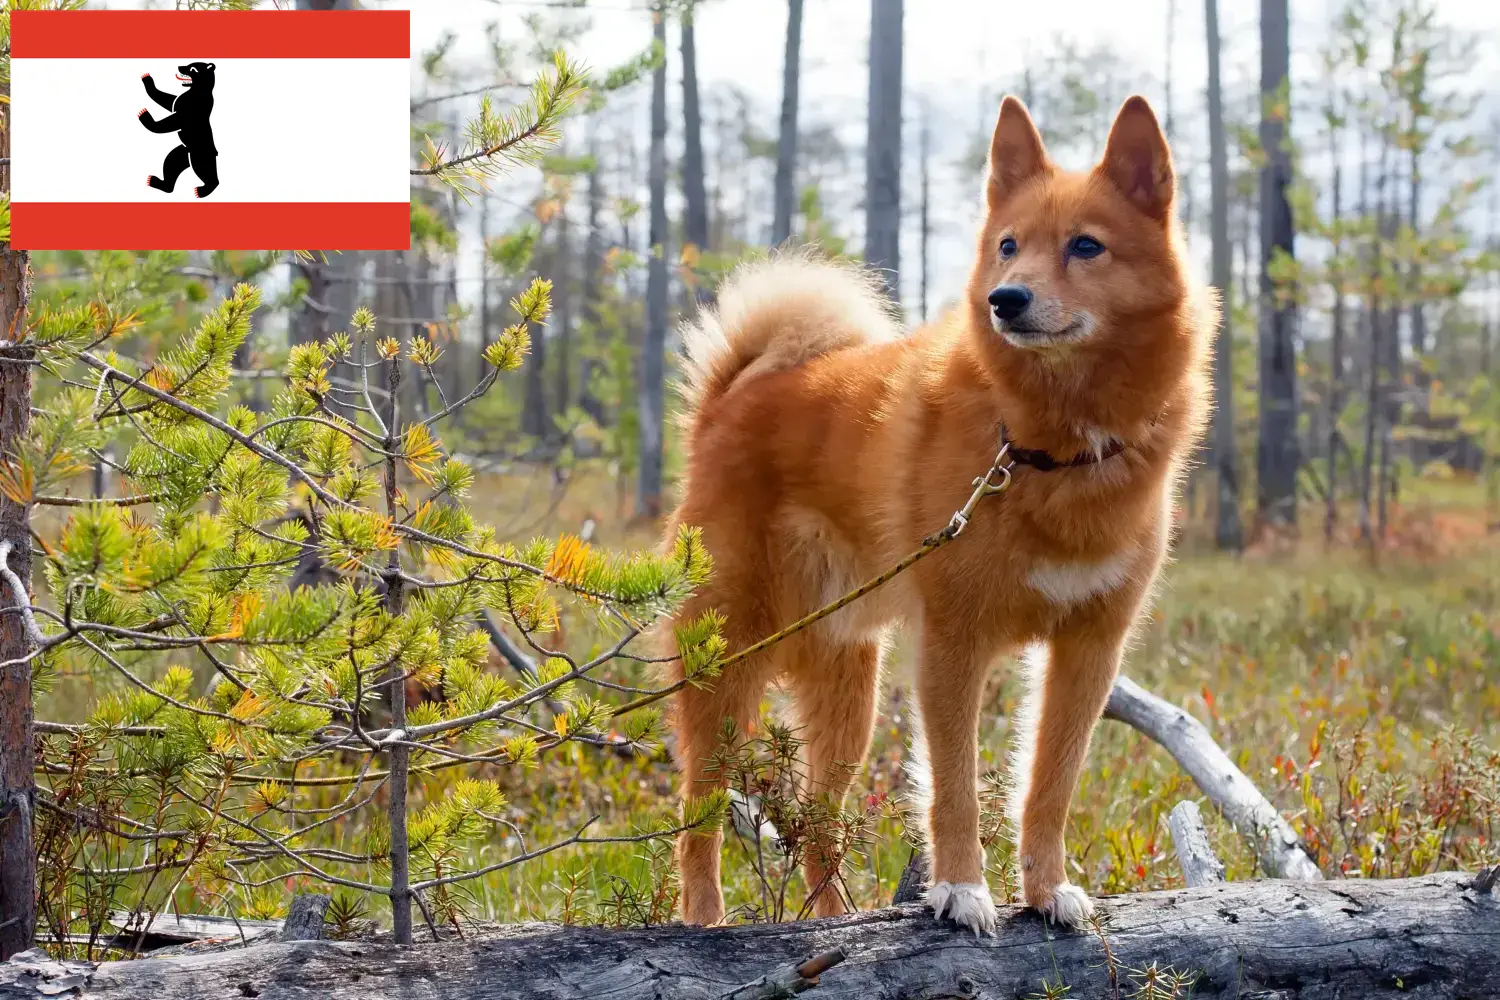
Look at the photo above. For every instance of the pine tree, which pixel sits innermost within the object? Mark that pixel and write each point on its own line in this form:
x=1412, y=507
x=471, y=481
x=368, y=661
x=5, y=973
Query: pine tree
x=1228, y=533
x=17, y=636
x=786, y=141
x=653, y=401
x=883, y=145
x=1277, y=456
x=286, y=608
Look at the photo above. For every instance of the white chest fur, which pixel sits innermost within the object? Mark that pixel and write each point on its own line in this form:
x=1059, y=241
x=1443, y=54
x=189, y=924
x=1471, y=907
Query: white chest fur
x=1065, y=583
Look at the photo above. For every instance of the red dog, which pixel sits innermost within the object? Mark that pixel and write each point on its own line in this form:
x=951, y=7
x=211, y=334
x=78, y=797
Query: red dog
x=825, y=445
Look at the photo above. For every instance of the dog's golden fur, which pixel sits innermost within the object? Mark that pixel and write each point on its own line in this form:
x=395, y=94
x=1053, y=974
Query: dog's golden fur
x=824, y=446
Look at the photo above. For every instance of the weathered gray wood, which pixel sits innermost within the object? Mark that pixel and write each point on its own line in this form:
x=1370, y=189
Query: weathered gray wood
x=1275, y=843
x=796, y=978
x=1424, y=938
x=157, y=930
x=1200, y=865
x=304, y=920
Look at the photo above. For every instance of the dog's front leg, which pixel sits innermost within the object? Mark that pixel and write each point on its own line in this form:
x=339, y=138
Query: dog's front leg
x=1072, y=684
x=950, y=684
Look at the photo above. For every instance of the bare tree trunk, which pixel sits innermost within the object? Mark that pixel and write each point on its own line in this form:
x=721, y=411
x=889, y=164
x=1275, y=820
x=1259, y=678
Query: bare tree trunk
x=1390, y=341
x=1372, y=417
x=1228, y=532
x=17, y=638
x=1389, y=384
x=1167, y=75
x=1486, y=346
x=1374, y=413
x=652, y=397
x=1335, y=359
x=388, y=270
x=310, y=320
x=399, y=756
x=481, y=366
x=719, y=223
x=315, y=316
x=695, y=218
x=589, y=285
x=562, y=293
x=534, y=405
x=1414, y=277
x=1276, y=455
x=786, y=142
x=883, y=145
x=1247, y=249
x=17, y=758
x=416, y=274
x=926, y=200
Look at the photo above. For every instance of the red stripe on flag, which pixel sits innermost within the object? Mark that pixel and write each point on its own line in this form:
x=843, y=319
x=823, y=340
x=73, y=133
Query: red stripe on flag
x=233, y=225
x=210, y=34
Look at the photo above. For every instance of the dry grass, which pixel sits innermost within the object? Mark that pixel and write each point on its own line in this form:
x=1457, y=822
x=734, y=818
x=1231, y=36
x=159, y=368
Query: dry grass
x=1363, y=695
x=1360, y=694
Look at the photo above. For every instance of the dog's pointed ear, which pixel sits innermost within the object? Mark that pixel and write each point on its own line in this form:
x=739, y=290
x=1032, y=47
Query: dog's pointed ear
x=1016, y=152
x=1137, y=160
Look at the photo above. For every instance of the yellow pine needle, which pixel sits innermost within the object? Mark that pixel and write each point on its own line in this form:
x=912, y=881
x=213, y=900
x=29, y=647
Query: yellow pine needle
x=17, y=482
x=569, y=559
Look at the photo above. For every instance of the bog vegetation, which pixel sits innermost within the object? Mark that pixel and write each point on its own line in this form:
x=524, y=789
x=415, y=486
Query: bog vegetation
x=342, y=579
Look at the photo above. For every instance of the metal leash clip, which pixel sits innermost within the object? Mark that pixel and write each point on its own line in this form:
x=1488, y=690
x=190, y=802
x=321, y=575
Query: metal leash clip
x=985, y=485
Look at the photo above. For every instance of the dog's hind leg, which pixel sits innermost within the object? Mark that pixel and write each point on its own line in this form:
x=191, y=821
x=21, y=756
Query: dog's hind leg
x=835, y=684
x=701, y=713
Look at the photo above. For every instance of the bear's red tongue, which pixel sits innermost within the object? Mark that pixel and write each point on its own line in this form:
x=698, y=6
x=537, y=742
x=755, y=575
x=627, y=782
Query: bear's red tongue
x=184, y=79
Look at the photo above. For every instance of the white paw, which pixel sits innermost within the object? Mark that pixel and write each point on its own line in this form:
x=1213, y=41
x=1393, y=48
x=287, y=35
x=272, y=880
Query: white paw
x=1069, y=906
x=967, y=904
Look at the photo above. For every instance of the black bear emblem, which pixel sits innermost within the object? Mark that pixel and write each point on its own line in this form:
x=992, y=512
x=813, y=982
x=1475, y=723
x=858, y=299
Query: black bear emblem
x=189, y=119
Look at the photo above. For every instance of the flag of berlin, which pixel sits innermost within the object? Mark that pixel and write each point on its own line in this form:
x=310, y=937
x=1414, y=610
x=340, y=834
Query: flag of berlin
x=210, y=130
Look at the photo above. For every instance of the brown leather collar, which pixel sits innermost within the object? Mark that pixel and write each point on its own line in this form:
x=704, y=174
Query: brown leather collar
x=1044, y=462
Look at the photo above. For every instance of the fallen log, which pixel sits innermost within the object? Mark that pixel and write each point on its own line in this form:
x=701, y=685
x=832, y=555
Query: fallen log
x=1426, y=938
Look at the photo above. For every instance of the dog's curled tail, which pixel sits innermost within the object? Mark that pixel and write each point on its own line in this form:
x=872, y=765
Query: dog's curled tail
x=779, y=312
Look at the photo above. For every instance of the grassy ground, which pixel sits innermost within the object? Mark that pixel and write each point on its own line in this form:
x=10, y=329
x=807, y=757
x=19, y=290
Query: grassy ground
x=1360, y=690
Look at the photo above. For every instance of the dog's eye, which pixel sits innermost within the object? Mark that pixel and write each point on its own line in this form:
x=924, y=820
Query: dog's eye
x=1085, y=247
x=1007, y=248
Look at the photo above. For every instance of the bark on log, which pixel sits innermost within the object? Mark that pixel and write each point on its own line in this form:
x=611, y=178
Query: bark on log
x=1424, y=938
x=304, y=921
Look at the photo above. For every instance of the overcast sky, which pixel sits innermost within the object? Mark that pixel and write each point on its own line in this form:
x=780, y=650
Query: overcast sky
x=955, y=51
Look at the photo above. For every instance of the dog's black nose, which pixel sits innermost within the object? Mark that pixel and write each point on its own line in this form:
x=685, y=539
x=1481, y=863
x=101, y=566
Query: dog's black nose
x=1010, y=301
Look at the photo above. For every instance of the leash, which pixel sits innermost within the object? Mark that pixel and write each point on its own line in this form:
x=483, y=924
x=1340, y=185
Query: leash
x=995, y=480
